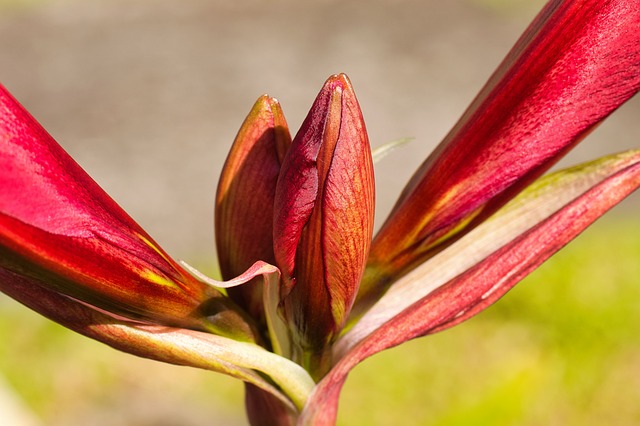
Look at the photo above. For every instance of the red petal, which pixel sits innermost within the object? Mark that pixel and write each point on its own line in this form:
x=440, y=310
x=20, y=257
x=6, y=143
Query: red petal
x=575, y=64
x=58, y=226
x=479, y=286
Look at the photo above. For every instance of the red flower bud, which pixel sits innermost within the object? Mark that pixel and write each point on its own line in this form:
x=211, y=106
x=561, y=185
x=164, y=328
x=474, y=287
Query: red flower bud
x=323, y=218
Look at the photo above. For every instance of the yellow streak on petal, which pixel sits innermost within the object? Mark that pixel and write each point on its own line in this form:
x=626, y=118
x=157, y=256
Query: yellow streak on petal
x=155, y=248
x=462, y=224
x=152, y=276
x=158, y=279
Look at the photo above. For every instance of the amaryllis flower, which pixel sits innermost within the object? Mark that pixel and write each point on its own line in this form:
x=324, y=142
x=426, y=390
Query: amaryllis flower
x=308, y=292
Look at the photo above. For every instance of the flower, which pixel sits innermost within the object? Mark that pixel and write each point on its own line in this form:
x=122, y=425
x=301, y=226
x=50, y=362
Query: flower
x=308, y=292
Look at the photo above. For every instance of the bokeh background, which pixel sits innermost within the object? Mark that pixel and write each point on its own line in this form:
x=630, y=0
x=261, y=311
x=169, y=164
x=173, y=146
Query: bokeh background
x=147, y=96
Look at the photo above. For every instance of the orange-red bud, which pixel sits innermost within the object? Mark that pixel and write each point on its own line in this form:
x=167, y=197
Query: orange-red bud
x=244, y=200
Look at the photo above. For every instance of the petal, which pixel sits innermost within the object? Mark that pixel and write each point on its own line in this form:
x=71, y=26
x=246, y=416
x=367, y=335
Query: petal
x=273, y=323
x=167, y=344
x=575, y=64
x=323, y=218
x=244, y=199
x=59, y=227
x=503, y=250
x=543, y=209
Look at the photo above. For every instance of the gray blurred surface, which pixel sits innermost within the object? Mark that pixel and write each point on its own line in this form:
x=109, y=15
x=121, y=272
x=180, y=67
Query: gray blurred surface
x=148, y=95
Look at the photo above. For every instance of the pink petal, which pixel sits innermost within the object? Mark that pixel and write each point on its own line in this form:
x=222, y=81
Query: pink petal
x=167, y=344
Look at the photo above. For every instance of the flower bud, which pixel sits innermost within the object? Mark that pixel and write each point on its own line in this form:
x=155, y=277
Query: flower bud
x=244, y=199
x=323, y=217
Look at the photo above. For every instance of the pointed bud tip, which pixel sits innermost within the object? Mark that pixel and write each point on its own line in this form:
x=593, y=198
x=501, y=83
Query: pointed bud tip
x=268, y=101
x=265, y=106
x=338, y=82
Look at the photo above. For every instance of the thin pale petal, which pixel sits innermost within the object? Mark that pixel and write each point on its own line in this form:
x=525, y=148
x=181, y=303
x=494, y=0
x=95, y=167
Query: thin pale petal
x=382, y=151
x=537, y=225
x=575, y=64
x=270, y=275
x=167, y=344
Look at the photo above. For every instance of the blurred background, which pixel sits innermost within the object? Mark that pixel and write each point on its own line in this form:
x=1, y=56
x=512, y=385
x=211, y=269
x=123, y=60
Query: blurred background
x=147, y=97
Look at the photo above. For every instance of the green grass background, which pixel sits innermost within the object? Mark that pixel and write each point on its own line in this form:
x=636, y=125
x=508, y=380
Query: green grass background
x=562, y=348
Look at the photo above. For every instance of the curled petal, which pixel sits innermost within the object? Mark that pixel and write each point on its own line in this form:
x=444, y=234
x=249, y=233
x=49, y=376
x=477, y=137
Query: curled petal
x=172, y=345
x=270, y=276
x=575, y=64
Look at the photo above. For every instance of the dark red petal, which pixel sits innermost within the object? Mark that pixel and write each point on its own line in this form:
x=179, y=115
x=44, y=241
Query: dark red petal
x=575, y=64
